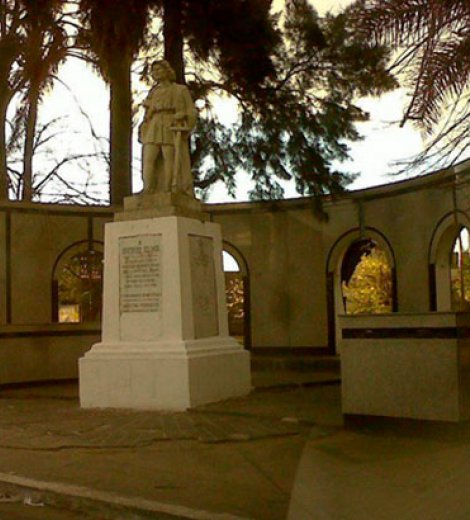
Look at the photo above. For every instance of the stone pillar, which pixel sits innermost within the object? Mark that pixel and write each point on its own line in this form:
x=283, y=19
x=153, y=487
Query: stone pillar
x=165, y=342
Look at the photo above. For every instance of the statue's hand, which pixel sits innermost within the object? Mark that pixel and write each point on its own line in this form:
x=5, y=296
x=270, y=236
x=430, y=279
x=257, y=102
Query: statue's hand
x=180, y=118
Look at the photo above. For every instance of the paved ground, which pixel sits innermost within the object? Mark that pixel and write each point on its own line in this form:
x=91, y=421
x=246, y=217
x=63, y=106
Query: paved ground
x=238, y=457
x=20, y=511
x=282, y=452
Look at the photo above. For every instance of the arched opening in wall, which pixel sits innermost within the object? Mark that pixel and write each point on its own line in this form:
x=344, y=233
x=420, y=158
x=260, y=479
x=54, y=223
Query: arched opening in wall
x=361, y=278
x=460, y=271
x=237, y=295
x=366, y=279
x=77, y=284
x=449, y=264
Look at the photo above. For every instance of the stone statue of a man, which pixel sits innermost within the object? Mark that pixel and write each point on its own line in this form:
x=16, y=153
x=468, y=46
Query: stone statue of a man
x=170, y=115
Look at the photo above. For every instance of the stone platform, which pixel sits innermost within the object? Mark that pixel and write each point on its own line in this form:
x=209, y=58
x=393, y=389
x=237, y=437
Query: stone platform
x=165, y=342
x=153, y=205
x=414, y=366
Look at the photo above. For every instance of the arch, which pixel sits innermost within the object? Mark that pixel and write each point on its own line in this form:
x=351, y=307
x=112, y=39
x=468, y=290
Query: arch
x=341, y=245
x=444, y=228
x=237, y=286
x=76, y=282
x=335, y=274
x=439, y=259
x=238, y=256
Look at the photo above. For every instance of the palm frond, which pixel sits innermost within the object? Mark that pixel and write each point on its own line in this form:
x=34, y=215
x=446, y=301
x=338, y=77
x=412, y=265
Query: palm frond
x=444, y=72
x=432, y=38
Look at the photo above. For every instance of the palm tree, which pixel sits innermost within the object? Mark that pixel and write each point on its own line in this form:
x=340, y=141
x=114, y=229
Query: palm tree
x=112, y=34
x=45, y=47
x=32, y=44
x=10, y=47
x=432, y=39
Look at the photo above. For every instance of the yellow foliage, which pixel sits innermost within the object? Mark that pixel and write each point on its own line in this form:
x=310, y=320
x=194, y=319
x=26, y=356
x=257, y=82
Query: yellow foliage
x=456, y=289
x=369, y=290
x=235, y=295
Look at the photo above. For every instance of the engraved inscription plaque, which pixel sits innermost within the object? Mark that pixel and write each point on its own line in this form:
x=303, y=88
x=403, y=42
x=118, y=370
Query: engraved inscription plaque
x=140, y=284
x=206, y=322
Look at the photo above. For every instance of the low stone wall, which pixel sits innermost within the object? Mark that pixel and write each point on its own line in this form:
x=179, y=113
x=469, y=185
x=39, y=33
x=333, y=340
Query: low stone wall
x=406, y=365
x=43, y=353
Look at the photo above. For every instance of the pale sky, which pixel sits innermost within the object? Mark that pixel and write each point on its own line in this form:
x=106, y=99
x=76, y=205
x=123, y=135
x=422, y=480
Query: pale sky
x=373, y=157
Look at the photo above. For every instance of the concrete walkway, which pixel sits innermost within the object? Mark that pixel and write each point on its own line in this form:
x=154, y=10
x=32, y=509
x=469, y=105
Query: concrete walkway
x=238, y=457
x=281, y=452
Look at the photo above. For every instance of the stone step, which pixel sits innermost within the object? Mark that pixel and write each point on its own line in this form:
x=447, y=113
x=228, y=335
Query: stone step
x=300, y=363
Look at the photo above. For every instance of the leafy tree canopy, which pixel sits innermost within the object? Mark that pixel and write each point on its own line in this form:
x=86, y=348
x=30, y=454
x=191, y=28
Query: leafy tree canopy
x=294, y=78
x=295, y=96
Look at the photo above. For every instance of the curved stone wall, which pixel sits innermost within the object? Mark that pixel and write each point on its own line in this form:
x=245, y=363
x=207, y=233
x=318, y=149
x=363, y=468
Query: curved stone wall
x=293, y=259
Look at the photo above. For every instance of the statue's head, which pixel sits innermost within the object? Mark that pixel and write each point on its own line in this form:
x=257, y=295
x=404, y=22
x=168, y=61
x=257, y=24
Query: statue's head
x=163, y=68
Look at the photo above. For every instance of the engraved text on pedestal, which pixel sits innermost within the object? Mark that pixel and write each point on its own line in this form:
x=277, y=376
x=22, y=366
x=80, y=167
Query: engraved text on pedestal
x=140, y=285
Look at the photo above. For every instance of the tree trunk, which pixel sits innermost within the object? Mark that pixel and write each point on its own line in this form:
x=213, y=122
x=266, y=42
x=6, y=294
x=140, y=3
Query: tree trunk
x=120, y=129
x=33, y=100
x=173, y=36
x=4, y=100
x=5, y=97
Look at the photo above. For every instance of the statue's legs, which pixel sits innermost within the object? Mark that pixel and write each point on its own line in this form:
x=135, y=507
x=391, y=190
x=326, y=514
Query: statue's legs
x=168, y=152
x=150, y=153
x=186, y=177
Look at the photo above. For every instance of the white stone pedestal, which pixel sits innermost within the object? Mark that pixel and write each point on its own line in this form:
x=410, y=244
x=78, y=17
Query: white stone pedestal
x=165, y=342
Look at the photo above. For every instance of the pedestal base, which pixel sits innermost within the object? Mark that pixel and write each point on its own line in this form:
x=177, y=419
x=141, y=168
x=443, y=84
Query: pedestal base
x=163, y=375
x=165, y=342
